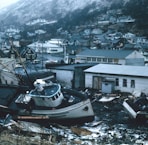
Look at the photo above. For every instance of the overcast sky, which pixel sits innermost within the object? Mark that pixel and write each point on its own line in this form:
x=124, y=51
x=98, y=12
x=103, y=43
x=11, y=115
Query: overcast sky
x=4, y=3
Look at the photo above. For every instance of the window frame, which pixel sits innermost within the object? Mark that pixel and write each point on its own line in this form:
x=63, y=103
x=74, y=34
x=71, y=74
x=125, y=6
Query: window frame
x=132, y=83
x=117, y=82
x=124, y=84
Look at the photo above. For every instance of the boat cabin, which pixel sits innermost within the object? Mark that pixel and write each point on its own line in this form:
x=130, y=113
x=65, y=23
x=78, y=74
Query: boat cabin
x=45, y=94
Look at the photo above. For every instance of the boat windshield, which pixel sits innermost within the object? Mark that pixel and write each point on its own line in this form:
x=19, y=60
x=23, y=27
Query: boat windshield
x=48, y=91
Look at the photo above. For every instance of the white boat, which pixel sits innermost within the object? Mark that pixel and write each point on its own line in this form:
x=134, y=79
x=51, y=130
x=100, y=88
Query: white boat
x=49, y=102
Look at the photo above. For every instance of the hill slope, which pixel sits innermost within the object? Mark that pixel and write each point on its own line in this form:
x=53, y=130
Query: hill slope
x=24, y=10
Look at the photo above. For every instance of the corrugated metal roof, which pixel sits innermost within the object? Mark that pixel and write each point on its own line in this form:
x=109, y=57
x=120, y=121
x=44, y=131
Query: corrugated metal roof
x=105, y=53
x=127, y=70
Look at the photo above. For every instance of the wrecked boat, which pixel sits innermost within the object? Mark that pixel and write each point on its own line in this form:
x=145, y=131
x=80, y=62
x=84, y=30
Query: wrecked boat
x=137, y=108
x=49, y=102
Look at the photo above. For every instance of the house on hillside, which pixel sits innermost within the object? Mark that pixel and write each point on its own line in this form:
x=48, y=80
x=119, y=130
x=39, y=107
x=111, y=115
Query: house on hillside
x=108, y=78
x=130, y=37
x=125, y=19
x=12, y=31
x=40, y=31
x=28, y=54
x=107, y=56
x=46, y=47
x=59, y=42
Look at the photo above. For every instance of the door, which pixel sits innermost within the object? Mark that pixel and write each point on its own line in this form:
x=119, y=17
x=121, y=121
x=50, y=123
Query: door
x=97, y=83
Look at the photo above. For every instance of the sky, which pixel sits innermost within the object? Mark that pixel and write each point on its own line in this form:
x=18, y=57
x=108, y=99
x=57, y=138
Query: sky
x=4, y=3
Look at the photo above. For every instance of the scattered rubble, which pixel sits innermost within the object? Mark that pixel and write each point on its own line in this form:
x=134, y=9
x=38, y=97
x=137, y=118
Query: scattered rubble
x=80, y=131
x=111, y=126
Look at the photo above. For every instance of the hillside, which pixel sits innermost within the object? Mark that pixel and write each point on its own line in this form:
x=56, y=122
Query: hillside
x=67, y=14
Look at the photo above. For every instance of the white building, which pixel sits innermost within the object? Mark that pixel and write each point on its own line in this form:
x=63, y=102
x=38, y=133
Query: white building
x=110, y=56
x=59, y=42
x=122, y=78
x=46, y=47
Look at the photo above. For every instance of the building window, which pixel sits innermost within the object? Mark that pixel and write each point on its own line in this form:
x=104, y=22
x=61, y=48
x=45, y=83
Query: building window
x=110, y=60
x=117, y=82
x=88, y=58
x=98, y=59
x=104, y=59
x=94, y=59
x=124, y=82
x=116, y=61
x=132, y=83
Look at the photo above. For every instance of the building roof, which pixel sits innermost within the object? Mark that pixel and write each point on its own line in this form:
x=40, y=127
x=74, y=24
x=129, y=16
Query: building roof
x=72, y=67
x=46, y=44
x=126, y=70
x=105, y=53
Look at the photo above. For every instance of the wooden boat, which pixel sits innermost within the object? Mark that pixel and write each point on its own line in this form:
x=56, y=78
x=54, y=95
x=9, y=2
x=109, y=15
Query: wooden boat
x=137, y=108
x=48, y=102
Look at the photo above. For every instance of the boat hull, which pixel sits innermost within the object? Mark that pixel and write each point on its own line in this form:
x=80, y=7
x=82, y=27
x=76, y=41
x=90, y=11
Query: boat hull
x=77, y=113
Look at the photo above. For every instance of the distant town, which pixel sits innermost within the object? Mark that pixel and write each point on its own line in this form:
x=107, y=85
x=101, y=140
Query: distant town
x=118, y=56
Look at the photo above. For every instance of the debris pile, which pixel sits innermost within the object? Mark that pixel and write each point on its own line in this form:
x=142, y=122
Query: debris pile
x=111, y=126
x=96, y=132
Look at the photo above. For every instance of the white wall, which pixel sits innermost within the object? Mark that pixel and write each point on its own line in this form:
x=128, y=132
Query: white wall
x=121, y=61
x=141, y=84
x=64, y=77
x=88, y=80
